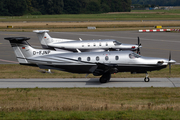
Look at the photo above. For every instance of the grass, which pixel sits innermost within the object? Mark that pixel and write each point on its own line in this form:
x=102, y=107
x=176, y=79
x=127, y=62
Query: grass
x=82, y=26
x=94, y=115
x=19, y=71
x=90, y=103
x=115, y=21
x=133, y=15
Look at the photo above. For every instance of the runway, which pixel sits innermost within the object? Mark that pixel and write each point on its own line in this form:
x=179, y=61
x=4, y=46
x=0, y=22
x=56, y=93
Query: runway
x=154, y=44
x=88, y=83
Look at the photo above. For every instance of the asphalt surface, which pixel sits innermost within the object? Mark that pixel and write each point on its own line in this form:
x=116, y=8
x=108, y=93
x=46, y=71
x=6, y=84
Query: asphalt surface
x=84, y=83
x=156, y=44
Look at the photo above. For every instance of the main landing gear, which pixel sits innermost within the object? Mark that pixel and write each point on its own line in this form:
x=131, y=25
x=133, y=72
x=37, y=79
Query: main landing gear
x=147, y=79
x=105, y=77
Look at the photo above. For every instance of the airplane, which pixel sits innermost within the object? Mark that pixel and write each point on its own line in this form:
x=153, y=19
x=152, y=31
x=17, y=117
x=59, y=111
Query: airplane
x=98, y=63
x=83, y=45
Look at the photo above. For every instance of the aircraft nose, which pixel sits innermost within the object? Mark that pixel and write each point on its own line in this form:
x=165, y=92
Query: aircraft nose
x=172, y=61
x=169, y=61
x=166, y=61
x=135, y=46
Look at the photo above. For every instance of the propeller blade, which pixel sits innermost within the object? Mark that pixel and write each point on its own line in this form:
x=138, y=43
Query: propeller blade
x=138, y=40
x=169, y=62
x=170, y=56
x=138, y=51
x=170, y=68
x=139, y=44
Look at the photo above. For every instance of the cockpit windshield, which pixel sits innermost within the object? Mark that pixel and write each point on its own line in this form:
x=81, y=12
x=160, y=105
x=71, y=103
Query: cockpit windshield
x=134, y=55
x=116, y=43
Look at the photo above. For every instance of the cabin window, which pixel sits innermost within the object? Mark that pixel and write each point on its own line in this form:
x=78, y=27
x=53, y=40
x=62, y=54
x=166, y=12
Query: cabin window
x=99, y=44
x=88, y=45
x=94, y=44
x=116, y=57
x=97, y=58
x=106, y=58
x=106, y=44
x=88, y=58
x=82, y=45
x=116, y=43
x=79, y=58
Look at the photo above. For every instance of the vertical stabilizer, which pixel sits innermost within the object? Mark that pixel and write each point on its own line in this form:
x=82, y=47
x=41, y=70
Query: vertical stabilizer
x=44, y=37
x=24, y=51
x=21, y=48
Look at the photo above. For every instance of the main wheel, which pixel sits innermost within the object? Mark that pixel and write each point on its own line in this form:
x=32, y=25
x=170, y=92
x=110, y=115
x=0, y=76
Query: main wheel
x=146, y=79
x=105, y=78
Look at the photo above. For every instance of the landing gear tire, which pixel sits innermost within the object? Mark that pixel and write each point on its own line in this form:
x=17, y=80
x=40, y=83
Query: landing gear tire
x=146, y=79
x=105, y=78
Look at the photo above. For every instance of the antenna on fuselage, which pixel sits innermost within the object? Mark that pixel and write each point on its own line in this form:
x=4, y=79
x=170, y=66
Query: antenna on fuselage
x=78, y=50
x=80, y=39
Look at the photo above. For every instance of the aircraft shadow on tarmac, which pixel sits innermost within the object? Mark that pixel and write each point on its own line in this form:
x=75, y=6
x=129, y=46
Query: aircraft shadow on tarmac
x=94, y=81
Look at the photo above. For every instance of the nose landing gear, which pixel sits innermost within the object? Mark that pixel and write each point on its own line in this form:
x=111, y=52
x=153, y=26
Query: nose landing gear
x=147, y=79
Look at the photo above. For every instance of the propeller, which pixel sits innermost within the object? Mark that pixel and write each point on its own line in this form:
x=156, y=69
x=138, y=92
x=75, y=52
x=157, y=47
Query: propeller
x=139, y=45
x=170, y=62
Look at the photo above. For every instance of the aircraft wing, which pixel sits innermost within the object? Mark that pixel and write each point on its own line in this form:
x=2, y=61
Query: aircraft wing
x=103, y=68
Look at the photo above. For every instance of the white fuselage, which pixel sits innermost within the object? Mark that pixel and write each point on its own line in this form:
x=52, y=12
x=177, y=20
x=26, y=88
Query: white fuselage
x=93, y=45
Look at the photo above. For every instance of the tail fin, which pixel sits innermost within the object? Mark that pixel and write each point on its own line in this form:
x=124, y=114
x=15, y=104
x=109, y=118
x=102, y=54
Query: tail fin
x=44, y=37
x=23, y=49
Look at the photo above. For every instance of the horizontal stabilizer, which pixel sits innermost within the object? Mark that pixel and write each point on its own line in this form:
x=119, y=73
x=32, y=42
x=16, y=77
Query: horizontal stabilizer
x=40, y=31
x=17, y=38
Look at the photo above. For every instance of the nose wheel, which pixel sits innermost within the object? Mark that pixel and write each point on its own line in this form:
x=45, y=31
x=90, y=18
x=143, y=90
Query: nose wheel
x=147, y=79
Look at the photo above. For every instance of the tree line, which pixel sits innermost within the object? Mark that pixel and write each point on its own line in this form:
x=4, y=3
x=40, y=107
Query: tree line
x=157, y=2
x=42, y=7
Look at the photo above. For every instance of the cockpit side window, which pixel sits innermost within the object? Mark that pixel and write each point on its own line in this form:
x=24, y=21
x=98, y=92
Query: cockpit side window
x=133, y=55
x=116, y=43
